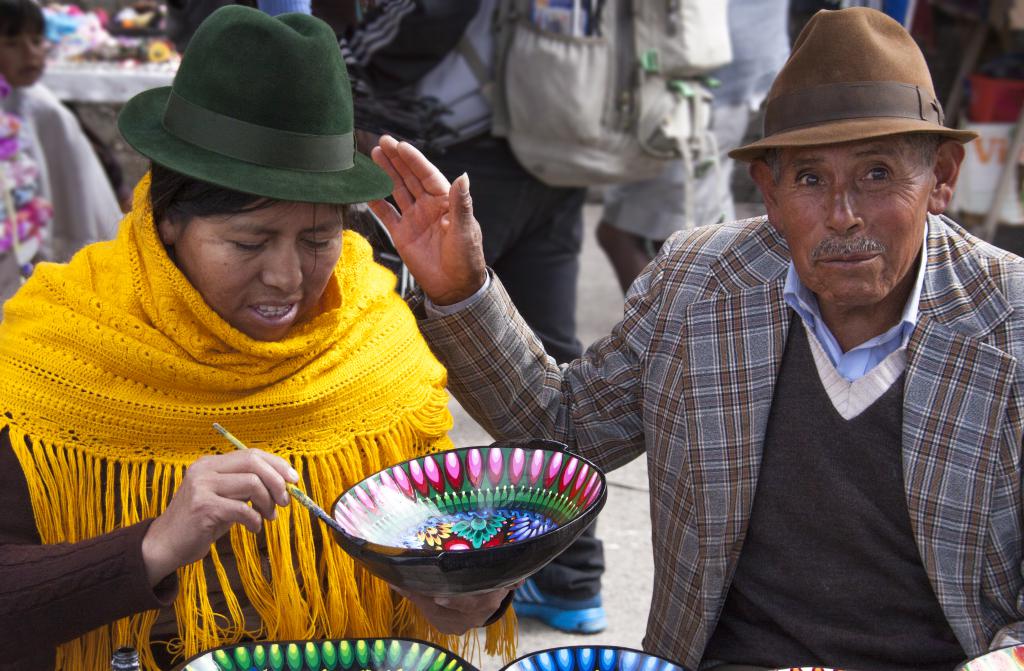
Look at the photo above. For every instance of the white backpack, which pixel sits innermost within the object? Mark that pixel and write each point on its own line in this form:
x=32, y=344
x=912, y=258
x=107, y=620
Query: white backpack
x=609, y=95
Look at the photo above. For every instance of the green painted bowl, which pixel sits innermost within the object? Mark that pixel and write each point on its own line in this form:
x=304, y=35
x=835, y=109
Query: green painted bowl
x=471, y=519
x=371, y=654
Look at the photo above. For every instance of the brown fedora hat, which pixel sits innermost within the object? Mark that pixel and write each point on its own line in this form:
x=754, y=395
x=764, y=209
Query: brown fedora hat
x=854, y=74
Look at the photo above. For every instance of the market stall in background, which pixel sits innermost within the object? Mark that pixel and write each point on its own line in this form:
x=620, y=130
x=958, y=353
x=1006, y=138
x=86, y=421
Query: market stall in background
x=987, y=96
x=101, y=54
x=99, y=57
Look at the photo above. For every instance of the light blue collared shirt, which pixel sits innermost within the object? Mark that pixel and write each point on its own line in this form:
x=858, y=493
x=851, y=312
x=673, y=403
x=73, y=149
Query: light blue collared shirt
x=861, y=359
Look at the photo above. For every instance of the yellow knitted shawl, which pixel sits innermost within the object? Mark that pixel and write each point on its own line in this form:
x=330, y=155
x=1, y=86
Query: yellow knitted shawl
x=113, y=369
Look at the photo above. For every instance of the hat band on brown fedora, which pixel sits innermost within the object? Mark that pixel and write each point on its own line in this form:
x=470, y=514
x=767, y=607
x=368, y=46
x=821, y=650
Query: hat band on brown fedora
x=262, y=145
x=850, y=100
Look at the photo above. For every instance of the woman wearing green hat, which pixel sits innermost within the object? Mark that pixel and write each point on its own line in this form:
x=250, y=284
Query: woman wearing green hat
x=232, y=294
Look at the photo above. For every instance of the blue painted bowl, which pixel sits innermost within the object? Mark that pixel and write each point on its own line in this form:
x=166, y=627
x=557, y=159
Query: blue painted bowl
x=592, y=658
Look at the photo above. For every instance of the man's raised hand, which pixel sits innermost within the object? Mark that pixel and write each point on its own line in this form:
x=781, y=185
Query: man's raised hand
x=433, y=228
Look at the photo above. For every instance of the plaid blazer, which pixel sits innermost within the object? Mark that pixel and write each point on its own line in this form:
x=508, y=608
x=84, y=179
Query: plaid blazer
x=688, y=375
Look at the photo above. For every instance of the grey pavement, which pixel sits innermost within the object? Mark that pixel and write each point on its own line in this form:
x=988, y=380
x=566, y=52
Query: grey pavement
x=625, y=523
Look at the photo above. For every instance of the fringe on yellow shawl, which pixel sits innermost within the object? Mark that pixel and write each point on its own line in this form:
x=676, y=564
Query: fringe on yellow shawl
x=113, y=370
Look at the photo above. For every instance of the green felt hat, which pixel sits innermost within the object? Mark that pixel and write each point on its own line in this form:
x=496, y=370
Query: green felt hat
x=260, y=105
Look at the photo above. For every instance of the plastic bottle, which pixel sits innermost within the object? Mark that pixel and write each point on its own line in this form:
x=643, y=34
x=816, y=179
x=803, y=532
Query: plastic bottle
x=125, y=659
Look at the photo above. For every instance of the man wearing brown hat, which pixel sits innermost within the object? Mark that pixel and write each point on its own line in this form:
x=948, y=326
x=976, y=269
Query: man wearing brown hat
x=829, y=397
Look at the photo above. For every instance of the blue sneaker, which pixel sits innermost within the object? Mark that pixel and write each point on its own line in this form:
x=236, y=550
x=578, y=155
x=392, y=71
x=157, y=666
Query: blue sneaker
x=582, y=616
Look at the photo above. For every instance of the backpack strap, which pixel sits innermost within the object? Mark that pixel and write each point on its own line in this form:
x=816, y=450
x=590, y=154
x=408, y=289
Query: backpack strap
x=506, y=14
x=476, y=66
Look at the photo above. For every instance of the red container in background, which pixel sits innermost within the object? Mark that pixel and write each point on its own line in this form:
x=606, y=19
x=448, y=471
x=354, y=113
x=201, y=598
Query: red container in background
x=995, y=99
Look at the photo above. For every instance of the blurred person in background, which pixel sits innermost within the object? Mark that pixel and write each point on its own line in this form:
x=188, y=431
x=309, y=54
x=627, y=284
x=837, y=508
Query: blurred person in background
x=639, y=216
x=532, y=232
x=24, y=213
x=72, y=178
x=275, y=7
x=185, y=16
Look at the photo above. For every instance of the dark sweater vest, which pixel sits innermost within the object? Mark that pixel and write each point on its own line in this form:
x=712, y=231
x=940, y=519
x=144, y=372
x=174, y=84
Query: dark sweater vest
x=830, y=574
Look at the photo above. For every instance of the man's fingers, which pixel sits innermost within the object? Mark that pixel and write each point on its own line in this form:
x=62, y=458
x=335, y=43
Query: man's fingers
x=399, y=191
x=427, y=174
x=460, y=202
x=387, y=214
x=392, y=149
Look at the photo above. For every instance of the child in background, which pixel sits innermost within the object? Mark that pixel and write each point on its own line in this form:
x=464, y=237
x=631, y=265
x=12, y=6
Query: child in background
x=24, y=215
x=71, y=178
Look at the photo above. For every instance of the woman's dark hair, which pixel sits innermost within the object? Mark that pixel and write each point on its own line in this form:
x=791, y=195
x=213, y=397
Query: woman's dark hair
x=20, y=16
x=179, y=198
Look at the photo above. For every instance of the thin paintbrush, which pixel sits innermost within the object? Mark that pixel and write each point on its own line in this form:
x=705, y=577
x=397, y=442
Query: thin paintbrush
x=297, y=493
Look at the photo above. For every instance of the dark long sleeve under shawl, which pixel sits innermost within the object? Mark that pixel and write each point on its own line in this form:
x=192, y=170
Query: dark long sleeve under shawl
x=53, y=593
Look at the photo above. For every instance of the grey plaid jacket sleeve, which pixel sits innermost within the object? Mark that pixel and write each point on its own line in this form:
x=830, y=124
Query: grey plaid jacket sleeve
x=591, y=404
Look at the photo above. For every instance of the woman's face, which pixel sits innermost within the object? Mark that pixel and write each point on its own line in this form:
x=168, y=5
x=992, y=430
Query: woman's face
x=262, y=271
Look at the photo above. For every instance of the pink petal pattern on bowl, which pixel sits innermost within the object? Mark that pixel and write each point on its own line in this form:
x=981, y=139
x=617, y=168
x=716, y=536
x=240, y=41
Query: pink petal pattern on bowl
x=494, y=465
x=475, y=467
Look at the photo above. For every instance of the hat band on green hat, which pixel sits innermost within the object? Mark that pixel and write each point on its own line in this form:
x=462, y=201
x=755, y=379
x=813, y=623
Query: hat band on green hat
x=850, y=100
x=262, y=145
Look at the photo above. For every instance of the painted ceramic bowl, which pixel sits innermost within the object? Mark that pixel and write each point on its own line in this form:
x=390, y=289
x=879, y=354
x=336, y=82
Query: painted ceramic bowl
x=1004, y=659
x=592, y=658
x=471, y=519
x=372, y=654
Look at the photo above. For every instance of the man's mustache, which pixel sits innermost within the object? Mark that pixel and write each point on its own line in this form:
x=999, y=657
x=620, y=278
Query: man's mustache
x=839, y=247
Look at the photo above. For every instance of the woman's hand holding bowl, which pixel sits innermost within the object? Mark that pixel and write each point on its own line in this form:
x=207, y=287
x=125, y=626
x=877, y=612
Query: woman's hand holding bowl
x=458, y=614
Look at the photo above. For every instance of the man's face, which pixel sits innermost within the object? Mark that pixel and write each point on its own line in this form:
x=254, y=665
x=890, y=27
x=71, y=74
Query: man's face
x=853, y=215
